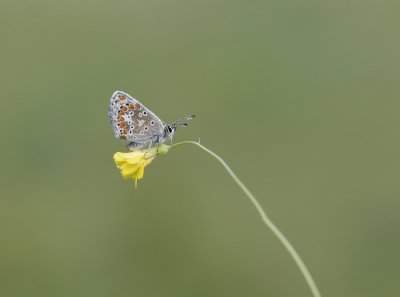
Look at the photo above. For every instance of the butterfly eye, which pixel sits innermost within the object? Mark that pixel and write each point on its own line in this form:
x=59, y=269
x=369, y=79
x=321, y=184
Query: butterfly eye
x=169, y=129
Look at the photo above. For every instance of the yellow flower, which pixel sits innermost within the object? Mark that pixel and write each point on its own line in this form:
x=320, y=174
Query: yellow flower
x=132, y=164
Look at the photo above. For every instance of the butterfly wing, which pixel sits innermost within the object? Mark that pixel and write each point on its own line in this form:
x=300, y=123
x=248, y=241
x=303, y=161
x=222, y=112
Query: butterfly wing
x=132, y=121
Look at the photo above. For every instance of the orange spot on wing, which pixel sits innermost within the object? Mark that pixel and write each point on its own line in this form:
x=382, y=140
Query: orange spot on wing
x=131, y=106
x=137, y=106
x=124, y=108
x=122, y=125
x=121, y=119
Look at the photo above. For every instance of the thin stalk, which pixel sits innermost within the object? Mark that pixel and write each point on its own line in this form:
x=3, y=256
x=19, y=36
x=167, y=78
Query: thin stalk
x=296, y=257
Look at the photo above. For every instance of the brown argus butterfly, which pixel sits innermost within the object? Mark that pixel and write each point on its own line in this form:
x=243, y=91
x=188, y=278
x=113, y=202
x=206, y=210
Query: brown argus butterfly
x=134, y=122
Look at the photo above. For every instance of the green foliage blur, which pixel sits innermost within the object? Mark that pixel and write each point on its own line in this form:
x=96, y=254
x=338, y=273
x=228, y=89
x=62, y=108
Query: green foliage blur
x=301, y=98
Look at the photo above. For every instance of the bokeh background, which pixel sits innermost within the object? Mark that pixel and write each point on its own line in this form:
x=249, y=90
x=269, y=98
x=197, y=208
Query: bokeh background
x=301, y=98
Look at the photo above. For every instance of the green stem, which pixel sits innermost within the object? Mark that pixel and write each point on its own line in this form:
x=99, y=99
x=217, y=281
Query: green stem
x=265, y=219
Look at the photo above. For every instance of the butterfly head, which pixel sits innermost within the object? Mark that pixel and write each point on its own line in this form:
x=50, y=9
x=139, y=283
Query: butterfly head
x=171, y=128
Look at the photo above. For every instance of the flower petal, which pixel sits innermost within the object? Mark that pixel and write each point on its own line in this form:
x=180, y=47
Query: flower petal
x=135, y=159
x=127, y=170
x=132, y=164
x=119, y=159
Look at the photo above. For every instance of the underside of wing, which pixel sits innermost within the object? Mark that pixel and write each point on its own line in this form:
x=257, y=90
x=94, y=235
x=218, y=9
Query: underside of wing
x=132, y=121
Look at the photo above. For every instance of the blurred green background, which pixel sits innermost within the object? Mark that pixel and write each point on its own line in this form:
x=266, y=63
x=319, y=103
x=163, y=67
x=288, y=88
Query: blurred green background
x=301, y=98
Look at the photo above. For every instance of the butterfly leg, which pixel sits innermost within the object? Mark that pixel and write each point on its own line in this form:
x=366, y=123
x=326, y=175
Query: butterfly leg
x=158, y=142
x=149, y=146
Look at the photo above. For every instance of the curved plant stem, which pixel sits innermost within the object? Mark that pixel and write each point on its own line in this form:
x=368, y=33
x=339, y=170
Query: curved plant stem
x=265, y=219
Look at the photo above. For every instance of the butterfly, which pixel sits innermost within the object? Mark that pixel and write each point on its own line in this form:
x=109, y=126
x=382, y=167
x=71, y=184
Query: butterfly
x=134, y=122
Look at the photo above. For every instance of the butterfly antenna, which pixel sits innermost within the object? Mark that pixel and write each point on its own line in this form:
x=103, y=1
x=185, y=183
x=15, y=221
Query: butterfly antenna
x=178, y=122
x=188, y=118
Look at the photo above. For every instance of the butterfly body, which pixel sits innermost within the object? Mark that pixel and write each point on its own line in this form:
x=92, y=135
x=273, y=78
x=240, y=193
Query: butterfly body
x=134, y=122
